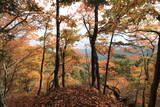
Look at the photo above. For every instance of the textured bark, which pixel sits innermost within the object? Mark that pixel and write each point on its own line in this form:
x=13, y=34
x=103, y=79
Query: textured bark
x=107, y=64
x=55, y=82
x=156, y=80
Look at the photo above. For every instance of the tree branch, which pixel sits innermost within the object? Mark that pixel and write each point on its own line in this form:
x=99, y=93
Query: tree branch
x=7, y=30
x=9, y=23
x=85, y=24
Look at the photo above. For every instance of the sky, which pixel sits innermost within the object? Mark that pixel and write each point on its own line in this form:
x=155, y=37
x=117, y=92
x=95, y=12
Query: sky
x=72, y=10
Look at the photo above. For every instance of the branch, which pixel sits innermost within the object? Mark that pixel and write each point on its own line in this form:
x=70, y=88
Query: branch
x=152, y=31
x=7, y=30
x=85, y=24
x=9, y=23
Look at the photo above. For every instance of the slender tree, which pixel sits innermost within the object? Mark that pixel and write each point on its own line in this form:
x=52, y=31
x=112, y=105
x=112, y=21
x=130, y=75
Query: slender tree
x=107, y=64
x=43, y=59
x=68, y=38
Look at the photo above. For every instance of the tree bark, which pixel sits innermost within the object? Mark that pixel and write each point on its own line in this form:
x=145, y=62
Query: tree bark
x=94, y=40
x=156, y=80
x=97, y=71
x=42, y=62
x=2, y=104
x=107, y=64
x=136, y=97
x=143, y=96
x=93, y=63
x=63, y=65
x=55, y=82
x=1, y=101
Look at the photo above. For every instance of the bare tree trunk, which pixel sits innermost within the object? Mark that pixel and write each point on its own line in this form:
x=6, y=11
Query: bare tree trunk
x=155, y=83
x=63, y=65
x=107, y=64
x=94, y=39
x=143, y=96
x=55, y=82
x=42, y=62
x=97, y=71
x=93, y=64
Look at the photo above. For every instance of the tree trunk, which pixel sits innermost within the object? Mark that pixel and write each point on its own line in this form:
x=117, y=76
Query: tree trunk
x=94, y=40
x=55, y=82
x=95, y=66
x=5, y=79
x=42, y=62
x=97, y=71
x=107, y=64
x=1, y=101
x=136, y=97
x=93, y=63
x=143, y=96
x=88, y=66
x=155, y=83
x=63, y=65
x=2, y=104
x=145, y=65
x=137, y=91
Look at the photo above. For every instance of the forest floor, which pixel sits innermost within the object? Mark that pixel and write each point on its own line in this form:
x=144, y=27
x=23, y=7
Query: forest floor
x=73, y=96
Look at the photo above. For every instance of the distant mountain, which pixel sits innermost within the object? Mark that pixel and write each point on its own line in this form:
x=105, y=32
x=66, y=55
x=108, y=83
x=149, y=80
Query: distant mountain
x=117, y=52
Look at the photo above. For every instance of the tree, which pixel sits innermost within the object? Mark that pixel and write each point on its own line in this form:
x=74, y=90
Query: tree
x=58, y=21
x=156, y=79
x=56, y=83
x=68, y=38
x=154, y=86
x=92, y=39
x=43, y=58
x=107, y=64
x=17, y=14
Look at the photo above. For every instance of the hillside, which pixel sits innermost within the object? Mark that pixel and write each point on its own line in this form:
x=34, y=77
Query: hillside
x=117, y=52
x=74, y=96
